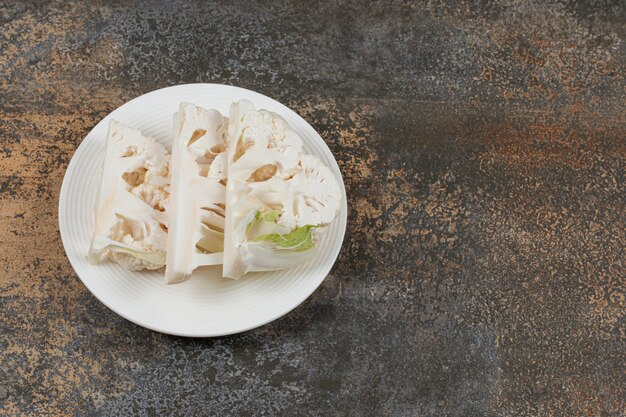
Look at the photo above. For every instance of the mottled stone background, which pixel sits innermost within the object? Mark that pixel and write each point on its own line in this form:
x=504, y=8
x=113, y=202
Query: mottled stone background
x=483, y=149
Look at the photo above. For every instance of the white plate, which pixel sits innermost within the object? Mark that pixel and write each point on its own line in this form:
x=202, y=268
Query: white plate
x=207, y=304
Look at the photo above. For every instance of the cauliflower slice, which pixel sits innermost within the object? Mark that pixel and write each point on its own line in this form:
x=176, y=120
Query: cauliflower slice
x=196, y=234
x=131, y=221
x=309, y=197
x=277, y=198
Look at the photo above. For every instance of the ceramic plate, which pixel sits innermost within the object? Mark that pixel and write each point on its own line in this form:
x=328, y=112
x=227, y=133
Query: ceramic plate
x=207, y=304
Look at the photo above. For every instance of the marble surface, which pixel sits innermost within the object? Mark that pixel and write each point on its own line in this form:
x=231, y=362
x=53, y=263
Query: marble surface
x=482, y=147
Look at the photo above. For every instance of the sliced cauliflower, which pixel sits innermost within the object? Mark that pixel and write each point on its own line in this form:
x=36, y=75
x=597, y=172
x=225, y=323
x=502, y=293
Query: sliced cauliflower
x=243, y=193
x=310, y=197
x=276, y=196
x=197, y=210
x=131, y=220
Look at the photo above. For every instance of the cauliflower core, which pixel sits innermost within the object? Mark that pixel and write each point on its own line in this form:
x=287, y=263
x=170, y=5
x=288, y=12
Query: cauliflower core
x=198, y=192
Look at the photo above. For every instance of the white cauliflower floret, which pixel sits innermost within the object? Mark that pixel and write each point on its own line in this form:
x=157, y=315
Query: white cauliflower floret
x=261, y=136
x=131, y=223
x=131, y=262
x=150, y=244
x=154, y=189
x=276, y=196
x=156, y=196
x=310, y=197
